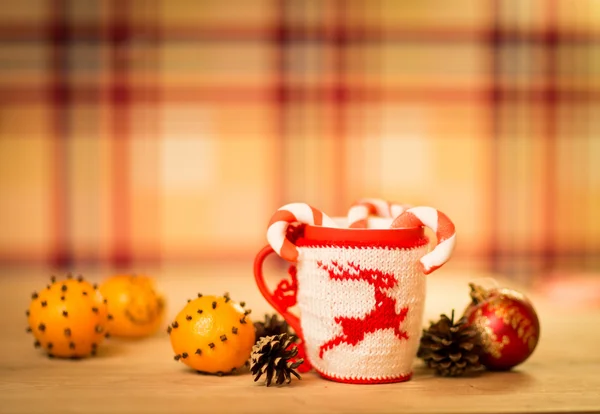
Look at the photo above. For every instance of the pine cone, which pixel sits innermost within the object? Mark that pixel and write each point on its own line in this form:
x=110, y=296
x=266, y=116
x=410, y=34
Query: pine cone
x=271, y=356
x=271, y=326
x=452, y=349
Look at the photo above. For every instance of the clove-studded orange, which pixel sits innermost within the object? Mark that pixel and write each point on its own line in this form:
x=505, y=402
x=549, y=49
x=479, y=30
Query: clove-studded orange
x=212, y=335
x=136, y=307
x=68, y=318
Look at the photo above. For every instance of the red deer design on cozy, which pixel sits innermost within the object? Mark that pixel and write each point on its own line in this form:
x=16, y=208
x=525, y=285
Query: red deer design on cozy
x=383, y=316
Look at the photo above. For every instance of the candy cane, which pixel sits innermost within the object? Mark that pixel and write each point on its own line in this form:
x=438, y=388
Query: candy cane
x=440, y=224
x=359, y=213
x=286, y=215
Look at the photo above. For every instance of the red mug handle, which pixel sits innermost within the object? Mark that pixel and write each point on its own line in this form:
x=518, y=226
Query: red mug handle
x=283, y=298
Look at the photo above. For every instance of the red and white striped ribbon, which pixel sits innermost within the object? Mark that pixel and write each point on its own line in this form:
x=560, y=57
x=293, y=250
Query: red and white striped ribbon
x=440, y=224
x=286, y=215
x=358, y=215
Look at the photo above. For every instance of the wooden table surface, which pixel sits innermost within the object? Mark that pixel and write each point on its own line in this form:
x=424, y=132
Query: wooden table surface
x=563, y=375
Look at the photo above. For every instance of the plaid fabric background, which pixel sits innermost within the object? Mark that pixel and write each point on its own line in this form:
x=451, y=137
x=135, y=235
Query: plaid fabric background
x=171, y=130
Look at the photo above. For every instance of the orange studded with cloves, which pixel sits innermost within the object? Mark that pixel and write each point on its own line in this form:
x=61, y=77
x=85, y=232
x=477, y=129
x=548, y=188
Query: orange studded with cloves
x=136, y=307
x=212, y=334
x=68, y=318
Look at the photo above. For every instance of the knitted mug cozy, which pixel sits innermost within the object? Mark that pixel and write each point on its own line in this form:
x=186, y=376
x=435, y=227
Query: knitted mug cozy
x=361, y=311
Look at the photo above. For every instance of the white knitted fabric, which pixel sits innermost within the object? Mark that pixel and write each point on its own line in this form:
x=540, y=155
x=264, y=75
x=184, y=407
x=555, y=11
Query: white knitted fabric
x=380, y=354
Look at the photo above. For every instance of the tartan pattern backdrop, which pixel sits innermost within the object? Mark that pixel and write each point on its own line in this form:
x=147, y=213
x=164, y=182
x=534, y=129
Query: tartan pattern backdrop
x=171, y=130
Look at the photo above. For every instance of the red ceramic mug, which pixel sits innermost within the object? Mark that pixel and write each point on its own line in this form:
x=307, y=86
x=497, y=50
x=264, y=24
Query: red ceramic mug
x=360, y=295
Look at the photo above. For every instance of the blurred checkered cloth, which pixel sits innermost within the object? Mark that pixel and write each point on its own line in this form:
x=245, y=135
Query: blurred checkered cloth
x=171, y=130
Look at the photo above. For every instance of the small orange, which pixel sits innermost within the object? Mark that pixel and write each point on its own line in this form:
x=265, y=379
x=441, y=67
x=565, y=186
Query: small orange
x=68, y=319
x=136, y=307
x=212, y=335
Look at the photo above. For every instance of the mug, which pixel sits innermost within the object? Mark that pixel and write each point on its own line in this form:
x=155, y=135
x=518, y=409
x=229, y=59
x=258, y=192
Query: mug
x=360, y=292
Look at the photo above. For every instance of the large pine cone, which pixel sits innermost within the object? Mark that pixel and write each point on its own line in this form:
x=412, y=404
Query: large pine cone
x=271, y=357
x=451, y=349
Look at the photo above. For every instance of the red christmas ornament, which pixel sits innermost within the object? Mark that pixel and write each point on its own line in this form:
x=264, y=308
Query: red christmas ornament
x=508, y=325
